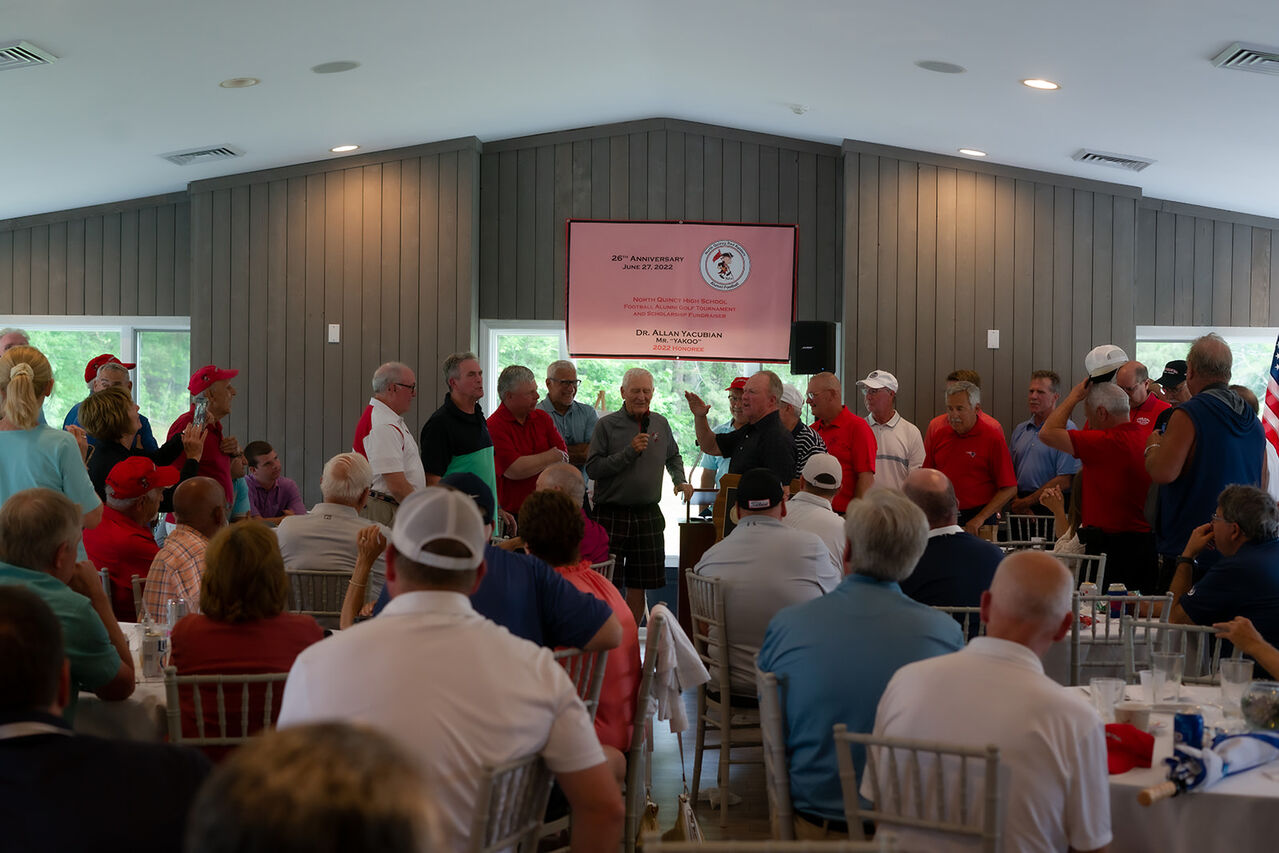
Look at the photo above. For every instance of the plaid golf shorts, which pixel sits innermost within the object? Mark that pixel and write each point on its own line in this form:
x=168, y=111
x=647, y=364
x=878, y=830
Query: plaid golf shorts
x=635, y=536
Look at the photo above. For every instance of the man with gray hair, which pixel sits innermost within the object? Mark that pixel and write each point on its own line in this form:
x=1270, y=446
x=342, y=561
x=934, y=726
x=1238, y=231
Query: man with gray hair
x=994, y=691
x=574, y=420
x=382, y=437
x=211, y=393
x=763, y=566
x=564, y=477
x=837, y=652
x=629, y=450
x=326, y=538
x=1211, y=440
x=807, y=441
x=525, y=440
x=106, y=371
x=763, y=442
x=1114, y=481
x=39, y=535
x=11, y=337
x=455, y=439
x=1245, y=581
x=971, y=451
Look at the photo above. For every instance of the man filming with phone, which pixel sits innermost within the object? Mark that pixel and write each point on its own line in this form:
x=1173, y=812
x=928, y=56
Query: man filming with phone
x=211, y=391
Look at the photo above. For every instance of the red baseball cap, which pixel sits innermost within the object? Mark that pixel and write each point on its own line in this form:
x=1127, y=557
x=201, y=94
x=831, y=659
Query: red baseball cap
x=737, y=384
x=137, y=475
x=1127, y=747
x=207, y=375
x=91, y=369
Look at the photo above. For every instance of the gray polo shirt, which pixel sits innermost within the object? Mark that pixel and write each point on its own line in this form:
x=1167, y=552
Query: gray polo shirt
x=623, y=476
x=325, y=539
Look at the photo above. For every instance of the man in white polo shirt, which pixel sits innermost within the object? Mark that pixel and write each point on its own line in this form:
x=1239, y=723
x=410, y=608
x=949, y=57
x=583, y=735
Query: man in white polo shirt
x=457, y=691
x=899, y=445
x=809, y=508
x=385, y=440
x=994, y=691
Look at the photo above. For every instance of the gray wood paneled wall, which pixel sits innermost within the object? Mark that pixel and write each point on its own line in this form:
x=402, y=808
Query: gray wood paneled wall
x=128, y=258
x=938, y=250
x=382, y=244
x=653, y=169
x=1198, y=266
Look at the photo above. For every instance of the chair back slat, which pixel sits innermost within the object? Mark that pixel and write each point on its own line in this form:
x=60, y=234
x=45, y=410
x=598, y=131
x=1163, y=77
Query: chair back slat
x=939, y=807
x=968, y=617
x=772, y=724
x=139, y=583
x=317, y=593
x=606, y=567
x=1085, y=567
x=1031, y=527
x=1105, y=631
x=710, y=636
x=1201, y=644
x=641, y=753
x=227, y=734
x=586, y=671
x=1010, y=545
x=510, y=805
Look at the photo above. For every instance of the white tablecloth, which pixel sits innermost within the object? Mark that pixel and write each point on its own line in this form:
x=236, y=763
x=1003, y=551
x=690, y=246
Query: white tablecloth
x=1239, y=814
x=140, y=717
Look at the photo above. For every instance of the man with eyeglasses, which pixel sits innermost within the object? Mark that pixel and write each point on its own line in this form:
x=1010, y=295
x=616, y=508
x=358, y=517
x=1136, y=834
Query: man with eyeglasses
x=1146, y=408
x=525, y=440
x=383, y=438
x=899, y=446
x=848, y=438
x=575, y=421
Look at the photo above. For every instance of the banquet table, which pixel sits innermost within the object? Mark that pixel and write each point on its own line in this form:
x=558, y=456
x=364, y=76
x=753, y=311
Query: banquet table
x=1239, y=814
x=140, y=717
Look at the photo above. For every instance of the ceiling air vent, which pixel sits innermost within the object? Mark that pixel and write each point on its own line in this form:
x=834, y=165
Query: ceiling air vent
x=1117, y=161
x=1249, y=57
x=201, y=155
x=23, y=54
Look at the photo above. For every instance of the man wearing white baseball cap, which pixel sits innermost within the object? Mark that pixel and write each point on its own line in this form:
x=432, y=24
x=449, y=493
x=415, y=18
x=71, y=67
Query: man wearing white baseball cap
x=900, y=446
x=1103, y=362
x=790, y=410
x=809, y=508
x=506, y=697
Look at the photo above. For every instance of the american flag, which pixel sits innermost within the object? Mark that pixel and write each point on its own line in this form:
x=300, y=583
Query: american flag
x=1270, y=414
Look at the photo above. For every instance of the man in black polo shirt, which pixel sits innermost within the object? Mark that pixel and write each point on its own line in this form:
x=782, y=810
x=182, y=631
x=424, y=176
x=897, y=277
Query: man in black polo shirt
x=763, y=442
x=456, y=438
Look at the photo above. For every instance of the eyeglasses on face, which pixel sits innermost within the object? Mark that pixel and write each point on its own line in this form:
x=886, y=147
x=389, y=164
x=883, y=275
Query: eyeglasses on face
x=572, y=382
x=412, y=388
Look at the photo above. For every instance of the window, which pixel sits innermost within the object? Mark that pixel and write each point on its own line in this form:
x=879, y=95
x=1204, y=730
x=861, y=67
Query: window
x=535, y=344
x=1253, y=350
x=161, y=346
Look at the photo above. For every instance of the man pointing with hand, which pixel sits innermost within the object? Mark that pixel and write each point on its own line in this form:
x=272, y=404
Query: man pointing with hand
x=628, y=450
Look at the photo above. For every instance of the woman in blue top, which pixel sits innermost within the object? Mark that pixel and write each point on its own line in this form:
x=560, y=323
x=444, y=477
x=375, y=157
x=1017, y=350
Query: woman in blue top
x=32, y=455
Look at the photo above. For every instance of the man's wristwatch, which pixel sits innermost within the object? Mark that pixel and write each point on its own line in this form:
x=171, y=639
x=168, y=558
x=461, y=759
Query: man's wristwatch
x=1184, y=559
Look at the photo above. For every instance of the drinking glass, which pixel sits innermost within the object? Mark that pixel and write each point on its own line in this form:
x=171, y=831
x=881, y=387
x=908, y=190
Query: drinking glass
x=175, y=610
x=1166, y=669
x=1105, y=693
x=1235, y=676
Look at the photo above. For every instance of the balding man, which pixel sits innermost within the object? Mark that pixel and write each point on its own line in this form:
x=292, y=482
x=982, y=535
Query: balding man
x=629, y=450
x=1114, y=481
x=565, y=477
x=177, y=568
x=39, y=535
x=1212, y=440
x=994, y=691
x=525, y=440
x=973, y=455
x=326, y=538
x=123, y=543
x=899, y=446
x=11, y=337
x=956, y=567
x=1144, y=407
x=382, y=437
x=837, y=652
x=763, y=442
x=848, y=438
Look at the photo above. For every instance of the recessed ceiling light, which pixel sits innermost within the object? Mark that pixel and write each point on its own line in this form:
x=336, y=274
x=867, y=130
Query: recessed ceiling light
x=940, y=67
x=239, y=82
x=342, y=149
x=335, y=67
x=1036, y=83
x=972, y=152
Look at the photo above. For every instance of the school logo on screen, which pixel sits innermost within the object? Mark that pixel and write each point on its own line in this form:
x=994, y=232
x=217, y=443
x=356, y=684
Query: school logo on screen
x=725, y=265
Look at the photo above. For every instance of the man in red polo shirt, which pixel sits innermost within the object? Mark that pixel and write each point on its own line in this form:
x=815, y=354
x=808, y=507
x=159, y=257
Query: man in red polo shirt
x=848, y=438
x=211, y=385
x=1144, y=407
x=1114, y=480
x=525, y=440
x=941, y=423
x=122, y=543
x=973, y=453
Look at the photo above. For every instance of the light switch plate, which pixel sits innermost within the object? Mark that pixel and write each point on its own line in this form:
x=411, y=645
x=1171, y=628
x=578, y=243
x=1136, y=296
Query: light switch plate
x=335, y=333
x=992, y=339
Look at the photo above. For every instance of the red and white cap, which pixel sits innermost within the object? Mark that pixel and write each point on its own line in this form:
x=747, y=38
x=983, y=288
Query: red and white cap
x=206, y=376
x=91, y=369
x=137, y=475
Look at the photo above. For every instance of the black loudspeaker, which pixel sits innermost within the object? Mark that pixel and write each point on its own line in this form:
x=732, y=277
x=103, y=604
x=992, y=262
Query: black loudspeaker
x=812, y=346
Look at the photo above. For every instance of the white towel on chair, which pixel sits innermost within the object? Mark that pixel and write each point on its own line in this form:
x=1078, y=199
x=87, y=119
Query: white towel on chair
x=678, y=669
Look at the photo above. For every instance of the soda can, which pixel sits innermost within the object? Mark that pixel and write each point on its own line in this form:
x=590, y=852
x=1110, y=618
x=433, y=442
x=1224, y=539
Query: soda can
x=1116, y=608
x=1087, y=588
x=152, y=655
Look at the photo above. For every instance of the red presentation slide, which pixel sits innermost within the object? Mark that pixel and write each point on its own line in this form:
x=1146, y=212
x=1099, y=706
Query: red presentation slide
x=713, y=291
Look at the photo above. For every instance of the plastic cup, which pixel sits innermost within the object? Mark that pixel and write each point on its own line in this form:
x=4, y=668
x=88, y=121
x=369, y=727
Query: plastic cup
x=1236, y=675
x=1106, y=692
x=1146, y=677
x=1167, y=669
